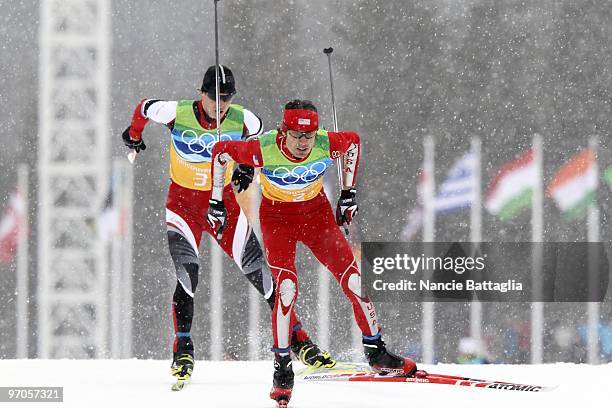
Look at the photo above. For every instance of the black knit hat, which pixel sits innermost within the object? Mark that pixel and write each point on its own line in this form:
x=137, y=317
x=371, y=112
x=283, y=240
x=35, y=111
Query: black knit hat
x=226, y=80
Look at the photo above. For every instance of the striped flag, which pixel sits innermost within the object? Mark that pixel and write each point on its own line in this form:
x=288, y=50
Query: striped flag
x=457, y=191
x=573, y=186
x=511, y=190
x=608, y=176
x=12, y=220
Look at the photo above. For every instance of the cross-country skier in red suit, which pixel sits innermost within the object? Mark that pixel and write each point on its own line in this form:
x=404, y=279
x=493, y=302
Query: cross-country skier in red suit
x=193, y=133
x=295, y=209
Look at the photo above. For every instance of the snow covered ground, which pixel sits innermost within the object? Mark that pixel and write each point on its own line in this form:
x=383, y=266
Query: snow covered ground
x=146, y=383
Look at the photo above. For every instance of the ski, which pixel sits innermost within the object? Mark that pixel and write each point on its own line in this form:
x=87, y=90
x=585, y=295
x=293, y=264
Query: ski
x=340, y=367
x=423, y=377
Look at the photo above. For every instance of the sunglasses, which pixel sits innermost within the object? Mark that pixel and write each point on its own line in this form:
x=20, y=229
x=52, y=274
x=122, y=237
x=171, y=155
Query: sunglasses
x=295, y=134
x=222, y=97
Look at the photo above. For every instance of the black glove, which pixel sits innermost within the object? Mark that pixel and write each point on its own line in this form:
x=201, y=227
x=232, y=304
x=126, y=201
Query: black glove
x=242, y=177
x=347, y=207
x=137, y=145
x=216, y=217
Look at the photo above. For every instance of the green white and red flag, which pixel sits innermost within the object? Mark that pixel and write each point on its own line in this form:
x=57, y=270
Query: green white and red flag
x=574, y=185
x=511, y=190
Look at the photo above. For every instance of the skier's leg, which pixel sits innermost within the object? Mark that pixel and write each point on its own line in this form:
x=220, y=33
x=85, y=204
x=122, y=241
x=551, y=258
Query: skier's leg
x=183, y=243
x=332, y=249
x=280, y=243
x=186, y=267
x=258, y=273
x=241, y=244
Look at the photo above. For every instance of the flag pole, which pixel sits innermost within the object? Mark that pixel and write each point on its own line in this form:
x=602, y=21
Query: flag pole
x=537, y=235
x=593, y=220
x=22, y=322
x=429, y=221
x=476, y=233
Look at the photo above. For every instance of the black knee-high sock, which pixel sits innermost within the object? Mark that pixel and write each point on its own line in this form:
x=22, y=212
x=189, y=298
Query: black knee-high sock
x=182, y=304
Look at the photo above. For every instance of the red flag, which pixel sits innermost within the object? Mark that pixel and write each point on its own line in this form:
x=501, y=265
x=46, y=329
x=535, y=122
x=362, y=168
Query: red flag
x=12, y=220
x=112, y=221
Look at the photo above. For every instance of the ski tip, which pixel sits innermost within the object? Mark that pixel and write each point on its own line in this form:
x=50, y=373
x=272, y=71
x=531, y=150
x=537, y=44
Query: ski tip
x=549, y=388
x=420, y=374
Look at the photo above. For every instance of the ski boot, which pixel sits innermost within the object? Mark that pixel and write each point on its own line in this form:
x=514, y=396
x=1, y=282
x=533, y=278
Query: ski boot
x=282, y=385
x=386, y=363
x=310, y=354
x=182, y=362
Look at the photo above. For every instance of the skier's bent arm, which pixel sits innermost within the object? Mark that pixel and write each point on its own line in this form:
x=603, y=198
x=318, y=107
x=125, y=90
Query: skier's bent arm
x=346, y=145
x=243, y=175
x=241, y=152
x=158, y=111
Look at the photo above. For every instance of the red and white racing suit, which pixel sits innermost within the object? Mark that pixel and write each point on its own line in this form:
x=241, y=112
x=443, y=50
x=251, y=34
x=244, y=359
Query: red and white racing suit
x=186, y=219
x=311, y=222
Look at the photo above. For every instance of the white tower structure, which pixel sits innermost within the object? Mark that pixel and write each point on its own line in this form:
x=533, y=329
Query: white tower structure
x=73, y=177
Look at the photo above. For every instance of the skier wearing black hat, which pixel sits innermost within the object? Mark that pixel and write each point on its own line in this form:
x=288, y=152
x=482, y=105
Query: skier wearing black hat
x=193, y=130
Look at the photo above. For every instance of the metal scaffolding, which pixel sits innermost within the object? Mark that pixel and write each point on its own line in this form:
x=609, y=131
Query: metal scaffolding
x=73, y=177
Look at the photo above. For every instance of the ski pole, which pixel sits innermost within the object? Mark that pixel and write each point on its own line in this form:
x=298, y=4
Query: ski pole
x=328, y=52
x=217, y=110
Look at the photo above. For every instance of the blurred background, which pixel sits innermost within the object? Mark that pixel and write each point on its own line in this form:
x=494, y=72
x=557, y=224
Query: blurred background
x=500, y=71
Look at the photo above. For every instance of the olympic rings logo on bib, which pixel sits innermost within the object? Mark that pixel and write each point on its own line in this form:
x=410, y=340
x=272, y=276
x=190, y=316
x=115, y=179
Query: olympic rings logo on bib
x=198, y=144
x=303, y=174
